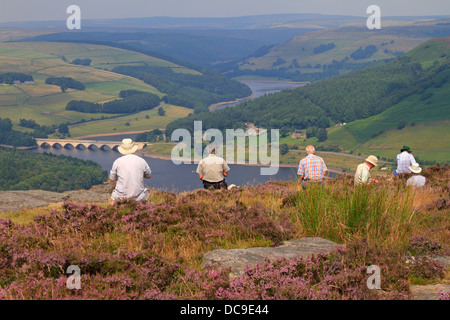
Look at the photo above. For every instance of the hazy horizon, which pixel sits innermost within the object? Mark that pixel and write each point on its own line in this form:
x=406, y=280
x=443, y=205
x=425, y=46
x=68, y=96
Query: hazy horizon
x=55, y=10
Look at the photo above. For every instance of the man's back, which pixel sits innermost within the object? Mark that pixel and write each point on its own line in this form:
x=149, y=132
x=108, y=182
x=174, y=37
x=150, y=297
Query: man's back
x=212, y=168
x=312, y=167
x=129, y=171
x=404, y=160
x=362, y=174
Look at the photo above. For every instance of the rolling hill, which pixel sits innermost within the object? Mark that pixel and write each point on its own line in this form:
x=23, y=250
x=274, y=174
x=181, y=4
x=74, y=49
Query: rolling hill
x=382, y=107
x=216, y=43
x=330, y=52
x=46, y=104
x=206, y=48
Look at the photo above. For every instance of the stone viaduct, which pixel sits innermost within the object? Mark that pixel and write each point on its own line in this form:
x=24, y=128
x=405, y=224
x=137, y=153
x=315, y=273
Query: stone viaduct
x=81, y=144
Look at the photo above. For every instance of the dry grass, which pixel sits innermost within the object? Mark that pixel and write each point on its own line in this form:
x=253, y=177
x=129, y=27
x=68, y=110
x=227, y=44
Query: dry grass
x=388, y=215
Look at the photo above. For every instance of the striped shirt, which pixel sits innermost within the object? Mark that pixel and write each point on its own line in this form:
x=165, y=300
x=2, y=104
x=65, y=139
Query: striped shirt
x=404, y=161
x=312, y=167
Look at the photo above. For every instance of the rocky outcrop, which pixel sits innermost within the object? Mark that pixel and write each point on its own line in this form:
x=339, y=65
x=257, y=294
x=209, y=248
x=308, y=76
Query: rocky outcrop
x=431, y=291
x=11, y=201
x=238, y=259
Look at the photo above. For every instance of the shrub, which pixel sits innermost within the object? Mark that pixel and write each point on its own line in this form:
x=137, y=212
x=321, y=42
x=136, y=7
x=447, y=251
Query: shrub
x=419, y=245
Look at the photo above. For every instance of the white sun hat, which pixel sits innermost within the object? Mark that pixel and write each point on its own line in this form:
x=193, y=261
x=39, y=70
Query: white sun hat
x=415, y=168
x=127, y=147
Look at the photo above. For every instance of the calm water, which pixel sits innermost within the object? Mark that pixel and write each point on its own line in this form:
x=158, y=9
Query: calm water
x=176, y=178
x=260, y=88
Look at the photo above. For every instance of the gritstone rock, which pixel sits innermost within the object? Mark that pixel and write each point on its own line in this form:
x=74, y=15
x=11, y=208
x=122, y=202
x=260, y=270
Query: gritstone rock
x=238, y=259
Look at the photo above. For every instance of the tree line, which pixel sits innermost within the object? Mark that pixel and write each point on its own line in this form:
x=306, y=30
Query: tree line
x=345, y=98
x=65, y=83
x=15, y=138
x=197, y=92
x=24, y=170
x=132, y=101
x=82, y=62
x=10, y=77
x=150, y=136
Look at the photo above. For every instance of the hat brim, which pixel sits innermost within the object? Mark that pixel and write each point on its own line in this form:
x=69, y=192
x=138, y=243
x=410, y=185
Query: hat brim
x=127, y=151
x=371, y=162
x=416, y=171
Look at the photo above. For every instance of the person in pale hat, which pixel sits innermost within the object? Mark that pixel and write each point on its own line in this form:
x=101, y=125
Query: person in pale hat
x=129, y=172
x=362, y=174
x=416, y=180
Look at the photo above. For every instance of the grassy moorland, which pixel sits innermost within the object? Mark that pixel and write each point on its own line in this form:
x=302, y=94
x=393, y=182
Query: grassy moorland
x=336, y=50
x=154, y=250
x=46, y=103
x=376, y=110
x=141, y=121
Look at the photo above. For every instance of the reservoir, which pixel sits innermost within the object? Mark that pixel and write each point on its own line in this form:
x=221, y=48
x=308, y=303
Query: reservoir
x=177, y=178
x=260, y=88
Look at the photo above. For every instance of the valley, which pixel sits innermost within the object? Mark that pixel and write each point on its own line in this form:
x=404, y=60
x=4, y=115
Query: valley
x=125, y=61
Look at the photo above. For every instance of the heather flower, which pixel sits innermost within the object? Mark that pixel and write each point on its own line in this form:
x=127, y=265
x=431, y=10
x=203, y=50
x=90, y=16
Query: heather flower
x=420, y=245
x=151, y=251
x=427, y=269
x=442, y=295
x=441, y=203
x=5, y=225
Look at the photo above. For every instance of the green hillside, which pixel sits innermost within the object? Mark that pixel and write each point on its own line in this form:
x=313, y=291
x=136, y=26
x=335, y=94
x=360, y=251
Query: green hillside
x=46, y=103
x=390, y=100
x=421, y=120
x=333, y=51
x=430, y=102
x=103, y=71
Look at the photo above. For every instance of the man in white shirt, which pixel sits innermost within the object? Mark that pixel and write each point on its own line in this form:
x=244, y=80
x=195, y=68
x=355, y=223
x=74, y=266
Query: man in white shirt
x=416, y=180
x=129, y=171
x=404, y=160
x=212, y=170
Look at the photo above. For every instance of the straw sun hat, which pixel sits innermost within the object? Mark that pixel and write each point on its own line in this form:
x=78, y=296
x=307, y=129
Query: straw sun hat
x=415, y=168
x=373, y=160
x=127, y=147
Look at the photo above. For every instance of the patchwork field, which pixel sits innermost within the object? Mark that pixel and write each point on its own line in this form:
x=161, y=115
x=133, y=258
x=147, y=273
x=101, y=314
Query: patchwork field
x=142, y=121
x=46, y=103
x=346, y=41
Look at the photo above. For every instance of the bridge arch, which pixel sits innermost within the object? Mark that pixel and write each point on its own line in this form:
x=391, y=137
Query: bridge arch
x=57, y=145
x=92, y=146
x=80, y=146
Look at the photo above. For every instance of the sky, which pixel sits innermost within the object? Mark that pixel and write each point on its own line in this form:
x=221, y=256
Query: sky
x=41, y=10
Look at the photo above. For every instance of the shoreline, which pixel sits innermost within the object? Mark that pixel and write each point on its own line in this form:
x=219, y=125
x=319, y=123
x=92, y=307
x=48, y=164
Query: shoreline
x=262, y=80
x=281, y=165
x=215, y=105
x=108, y=134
